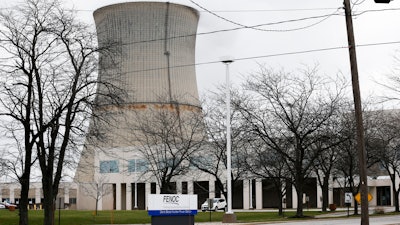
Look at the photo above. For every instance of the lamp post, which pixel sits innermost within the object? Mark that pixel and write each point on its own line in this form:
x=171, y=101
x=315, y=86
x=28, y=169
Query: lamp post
x=135, y=206
x=229, y=216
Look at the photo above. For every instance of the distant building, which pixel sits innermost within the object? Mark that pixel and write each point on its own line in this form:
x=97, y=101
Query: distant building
x=66, y=198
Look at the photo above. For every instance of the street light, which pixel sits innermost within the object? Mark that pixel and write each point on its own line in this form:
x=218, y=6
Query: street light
x=229, y=216
x=135, y=206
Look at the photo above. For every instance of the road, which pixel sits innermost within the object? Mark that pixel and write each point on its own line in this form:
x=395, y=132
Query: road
x=379, y=220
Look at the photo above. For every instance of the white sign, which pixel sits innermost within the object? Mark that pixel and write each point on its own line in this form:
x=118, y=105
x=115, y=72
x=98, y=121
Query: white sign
x=171, y=204
x=348, y=197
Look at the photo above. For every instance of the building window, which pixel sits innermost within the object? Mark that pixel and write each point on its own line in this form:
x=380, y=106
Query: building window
x=184, y=187
x=167, y=163
x=205, y=162
x=137, y=165
x=31, y=200
x=153, y=188
x=110, y=166
x=72, y=201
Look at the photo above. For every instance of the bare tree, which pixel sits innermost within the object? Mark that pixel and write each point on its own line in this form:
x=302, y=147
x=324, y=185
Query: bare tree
x=329, y=142
x=384, y=145
x=215, y=161
x=325, y=164
x=287, y=113
x=166, y=135
x=48, y=90
x=389, y=155
x=346, y=166
x=97, y=190
x=264, y=162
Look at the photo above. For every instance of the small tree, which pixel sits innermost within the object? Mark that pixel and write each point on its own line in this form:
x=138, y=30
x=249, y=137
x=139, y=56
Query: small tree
x=97, y=190
x=329, y=142
x=384, y=145
x=214, y=162
x=292, y=108
x=346, y=167
x=166, y=135
x=390, y=156
x=264, y=162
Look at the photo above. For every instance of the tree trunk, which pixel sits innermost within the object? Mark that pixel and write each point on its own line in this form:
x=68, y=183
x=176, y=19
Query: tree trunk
x=325, y=194
x=48, y=200
x=48, y=207
x=166, y=187
x=299, y=211
x=97, y=197
x=396, y=196
x=97, y=203
x=299, y=191
x=396, y=200
x=355, y=207
x=299, y=185
x=23, y=202
x=220, y=186
x=280, y=206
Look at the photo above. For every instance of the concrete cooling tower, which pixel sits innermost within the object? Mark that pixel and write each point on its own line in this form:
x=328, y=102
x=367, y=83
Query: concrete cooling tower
x=158, y=49
x=155, y=66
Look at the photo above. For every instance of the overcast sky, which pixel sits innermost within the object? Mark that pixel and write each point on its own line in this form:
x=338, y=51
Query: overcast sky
x=376, y=23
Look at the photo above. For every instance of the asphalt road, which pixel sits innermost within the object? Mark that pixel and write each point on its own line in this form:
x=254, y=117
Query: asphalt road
x=379, y=220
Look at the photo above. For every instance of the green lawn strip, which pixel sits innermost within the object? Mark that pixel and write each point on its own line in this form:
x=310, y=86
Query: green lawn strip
x=80, y=217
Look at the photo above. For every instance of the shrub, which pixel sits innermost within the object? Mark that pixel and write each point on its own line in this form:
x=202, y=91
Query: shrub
x=379, y=210
x=332, y=207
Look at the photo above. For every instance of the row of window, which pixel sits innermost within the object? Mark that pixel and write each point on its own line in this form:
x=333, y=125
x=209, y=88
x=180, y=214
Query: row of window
x=134, y=165
x=142, y=165
x=33, y=200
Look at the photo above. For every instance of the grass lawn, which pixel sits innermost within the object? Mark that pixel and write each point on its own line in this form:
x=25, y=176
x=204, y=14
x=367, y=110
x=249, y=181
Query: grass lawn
x=75, y=217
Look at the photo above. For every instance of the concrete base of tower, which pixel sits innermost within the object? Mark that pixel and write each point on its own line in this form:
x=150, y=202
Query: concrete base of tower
x=229, y=218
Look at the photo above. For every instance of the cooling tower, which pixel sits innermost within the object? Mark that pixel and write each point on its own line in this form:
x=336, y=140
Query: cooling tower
x=158, y=50
x=154, y=66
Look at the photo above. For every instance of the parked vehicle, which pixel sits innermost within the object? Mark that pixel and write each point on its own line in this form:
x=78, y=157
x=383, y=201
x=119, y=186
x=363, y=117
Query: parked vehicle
x=216, y=204
x=2, y=206
x=8, y=205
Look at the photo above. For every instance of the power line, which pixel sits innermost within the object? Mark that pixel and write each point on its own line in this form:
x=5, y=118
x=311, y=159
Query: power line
x=233, y=29
x=219, y=11
x=270, y=55
x=260, y=25
x=256, y=27
x=270, y=10
x=375, y=10
x=260, y=29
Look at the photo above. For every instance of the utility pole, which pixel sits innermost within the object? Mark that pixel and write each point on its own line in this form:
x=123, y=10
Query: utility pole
x=358, y=115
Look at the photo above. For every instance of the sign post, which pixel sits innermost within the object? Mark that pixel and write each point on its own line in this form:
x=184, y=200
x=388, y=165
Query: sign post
x=348, y=198
x=172, y=209
x=358, y=197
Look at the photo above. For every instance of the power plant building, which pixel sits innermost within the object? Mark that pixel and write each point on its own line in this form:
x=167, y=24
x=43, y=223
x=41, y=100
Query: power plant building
x=154, y=68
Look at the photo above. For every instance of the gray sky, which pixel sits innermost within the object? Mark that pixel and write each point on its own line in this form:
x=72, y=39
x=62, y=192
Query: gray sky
x=377, y=23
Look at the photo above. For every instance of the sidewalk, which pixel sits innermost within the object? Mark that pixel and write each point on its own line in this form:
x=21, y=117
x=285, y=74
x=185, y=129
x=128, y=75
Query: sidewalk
x=331, y=218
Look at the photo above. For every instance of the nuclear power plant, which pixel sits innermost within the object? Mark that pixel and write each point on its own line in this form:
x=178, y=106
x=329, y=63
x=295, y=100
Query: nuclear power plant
x=150, y=70
x=154, y=68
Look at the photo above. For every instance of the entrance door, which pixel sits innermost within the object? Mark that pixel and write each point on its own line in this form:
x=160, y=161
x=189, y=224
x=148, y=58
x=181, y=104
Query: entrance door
x=383, y=196
x=141, y=195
